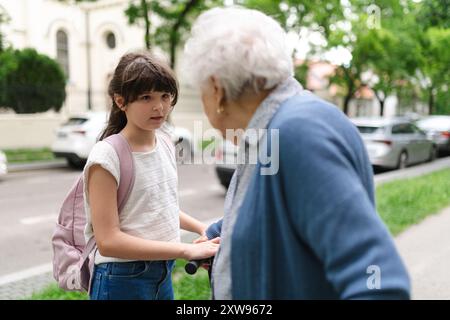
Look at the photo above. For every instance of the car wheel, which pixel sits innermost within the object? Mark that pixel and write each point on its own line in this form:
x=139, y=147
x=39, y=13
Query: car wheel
x=402, y=160
x=433, y=154
x=77, y=164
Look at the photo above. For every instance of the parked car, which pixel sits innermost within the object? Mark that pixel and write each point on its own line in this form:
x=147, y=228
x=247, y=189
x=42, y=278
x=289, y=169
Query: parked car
x=395, y=142
x=438, y=130
x=3, y=164
x=75, y=138
x=226, y=160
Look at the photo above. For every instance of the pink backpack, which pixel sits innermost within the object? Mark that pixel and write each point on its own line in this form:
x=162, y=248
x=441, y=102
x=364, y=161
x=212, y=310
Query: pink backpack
x=73, y=259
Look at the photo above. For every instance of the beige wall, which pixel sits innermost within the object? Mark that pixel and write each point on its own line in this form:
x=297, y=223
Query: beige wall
x=28, y=131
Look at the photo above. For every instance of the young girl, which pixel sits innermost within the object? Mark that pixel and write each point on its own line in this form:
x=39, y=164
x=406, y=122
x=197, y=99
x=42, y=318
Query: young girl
x=136, y=250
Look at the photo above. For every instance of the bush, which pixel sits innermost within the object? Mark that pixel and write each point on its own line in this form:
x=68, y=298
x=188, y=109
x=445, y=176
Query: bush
x=30, y=82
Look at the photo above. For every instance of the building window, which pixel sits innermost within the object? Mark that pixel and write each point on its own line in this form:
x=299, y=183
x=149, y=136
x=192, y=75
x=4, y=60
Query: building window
x=111, y=40
x=62, y=51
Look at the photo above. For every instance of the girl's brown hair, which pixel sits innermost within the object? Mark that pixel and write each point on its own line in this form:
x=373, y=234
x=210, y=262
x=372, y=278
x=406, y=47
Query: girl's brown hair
x=137, y=73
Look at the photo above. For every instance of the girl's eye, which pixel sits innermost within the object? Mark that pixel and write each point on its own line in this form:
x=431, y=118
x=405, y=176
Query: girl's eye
x=146, y=98
x=166, y=96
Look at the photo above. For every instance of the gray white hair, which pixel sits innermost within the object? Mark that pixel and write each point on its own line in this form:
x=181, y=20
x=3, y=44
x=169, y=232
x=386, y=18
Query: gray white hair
x=244, y=49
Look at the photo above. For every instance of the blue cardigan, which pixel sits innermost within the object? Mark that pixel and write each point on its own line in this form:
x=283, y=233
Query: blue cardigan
x=311, y=231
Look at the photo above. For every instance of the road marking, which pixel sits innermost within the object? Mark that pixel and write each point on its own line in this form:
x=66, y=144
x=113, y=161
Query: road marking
x=25, y=274
x=187, y=192
x=38, y=180
x=52, y=217
x=38, y=219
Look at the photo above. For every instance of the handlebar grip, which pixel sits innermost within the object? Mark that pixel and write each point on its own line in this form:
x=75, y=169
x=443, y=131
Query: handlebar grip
x=192, y=266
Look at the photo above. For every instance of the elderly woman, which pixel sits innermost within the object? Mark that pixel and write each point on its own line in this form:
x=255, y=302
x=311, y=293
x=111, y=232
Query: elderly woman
x=309, y=229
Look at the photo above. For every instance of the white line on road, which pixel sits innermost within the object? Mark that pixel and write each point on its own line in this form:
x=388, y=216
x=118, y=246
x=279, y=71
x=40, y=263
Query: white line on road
x=25, y=274
x=38, y=219
x=52, y=217
x=187, y=192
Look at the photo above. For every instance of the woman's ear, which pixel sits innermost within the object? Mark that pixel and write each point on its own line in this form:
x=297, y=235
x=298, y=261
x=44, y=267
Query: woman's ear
x=119, y=100
x=218, y=92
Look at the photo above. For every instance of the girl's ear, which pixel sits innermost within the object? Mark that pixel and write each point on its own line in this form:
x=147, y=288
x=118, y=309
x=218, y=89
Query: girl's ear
x=119, y=100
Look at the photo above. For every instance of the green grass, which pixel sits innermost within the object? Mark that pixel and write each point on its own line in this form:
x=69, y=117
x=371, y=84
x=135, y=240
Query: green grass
x=52, y=292
x=186, y=287
x=28, y=155
x=404, y=203
x=190, y=287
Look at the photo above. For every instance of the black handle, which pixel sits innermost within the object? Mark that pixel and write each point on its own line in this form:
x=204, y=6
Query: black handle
x=192, y=266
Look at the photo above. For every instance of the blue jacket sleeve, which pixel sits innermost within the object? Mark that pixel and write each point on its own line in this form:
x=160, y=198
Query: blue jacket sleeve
x=214, y=230
x=334, y=214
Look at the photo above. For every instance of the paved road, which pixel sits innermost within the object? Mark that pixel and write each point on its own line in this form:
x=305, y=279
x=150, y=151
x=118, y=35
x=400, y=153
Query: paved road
x=29, y=203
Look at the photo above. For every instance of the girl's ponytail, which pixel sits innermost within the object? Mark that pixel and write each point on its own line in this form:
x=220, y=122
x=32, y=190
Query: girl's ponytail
x=116, y=122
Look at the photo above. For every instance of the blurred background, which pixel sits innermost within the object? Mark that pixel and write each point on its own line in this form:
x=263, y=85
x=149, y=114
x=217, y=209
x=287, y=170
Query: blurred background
x=384, y=63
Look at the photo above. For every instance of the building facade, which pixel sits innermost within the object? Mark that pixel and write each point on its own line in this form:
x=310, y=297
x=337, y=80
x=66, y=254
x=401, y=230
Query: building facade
x=87, y=40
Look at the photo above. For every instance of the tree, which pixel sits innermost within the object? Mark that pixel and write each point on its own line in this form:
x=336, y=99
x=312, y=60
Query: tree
x=8, y=64
x=3, y=20
x=352, y=37
x=433, y=13
x=393, y=57
x=140, y=11
x=435, y=63
x=296, y=14
x=433, y=18
x=175, y=17
x=30, y=82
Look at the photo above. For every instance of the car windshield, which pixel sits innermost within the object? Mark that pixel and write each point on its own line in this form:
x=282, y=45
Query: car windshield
x=369, y=129
x=75, y=121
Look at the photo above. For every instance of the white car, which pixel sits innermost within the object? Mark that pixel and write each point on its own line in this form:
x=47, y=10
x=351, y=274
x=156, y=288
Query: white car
x=3, y=162
x=75, y=139
x=227, y=158
x=438, y=130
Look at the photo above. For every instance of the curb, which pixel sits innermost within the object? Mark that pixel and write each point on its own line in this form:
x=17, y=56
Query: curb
x=38, y=165
x=411, y=172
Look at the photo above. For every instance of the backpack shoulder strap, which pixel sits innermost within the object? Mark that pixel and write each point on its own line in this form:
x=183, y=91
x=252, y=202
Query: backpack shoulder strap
x=127, y=175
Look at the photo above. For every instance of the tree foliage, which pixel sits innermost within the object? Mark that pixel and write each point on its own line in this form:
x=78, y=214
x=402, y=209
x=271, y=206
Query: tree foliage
x=30, y=82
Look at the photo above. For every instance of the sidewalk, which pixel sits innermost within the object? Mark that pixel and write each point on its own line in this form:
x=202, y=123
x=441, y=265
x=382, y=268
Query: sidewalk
x=425, y=249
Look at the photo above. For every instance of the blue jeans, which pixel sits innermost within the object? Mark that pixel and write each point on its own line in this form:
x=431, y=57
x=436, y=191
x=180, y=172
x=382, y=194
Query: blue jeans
x=138, y=280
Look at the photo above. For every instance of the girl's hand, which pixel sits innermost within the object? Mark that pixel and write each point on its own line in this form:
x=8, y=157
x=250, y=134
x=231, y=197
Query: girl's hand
x=203, y=229
x=203, y=238
x=202, y=250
